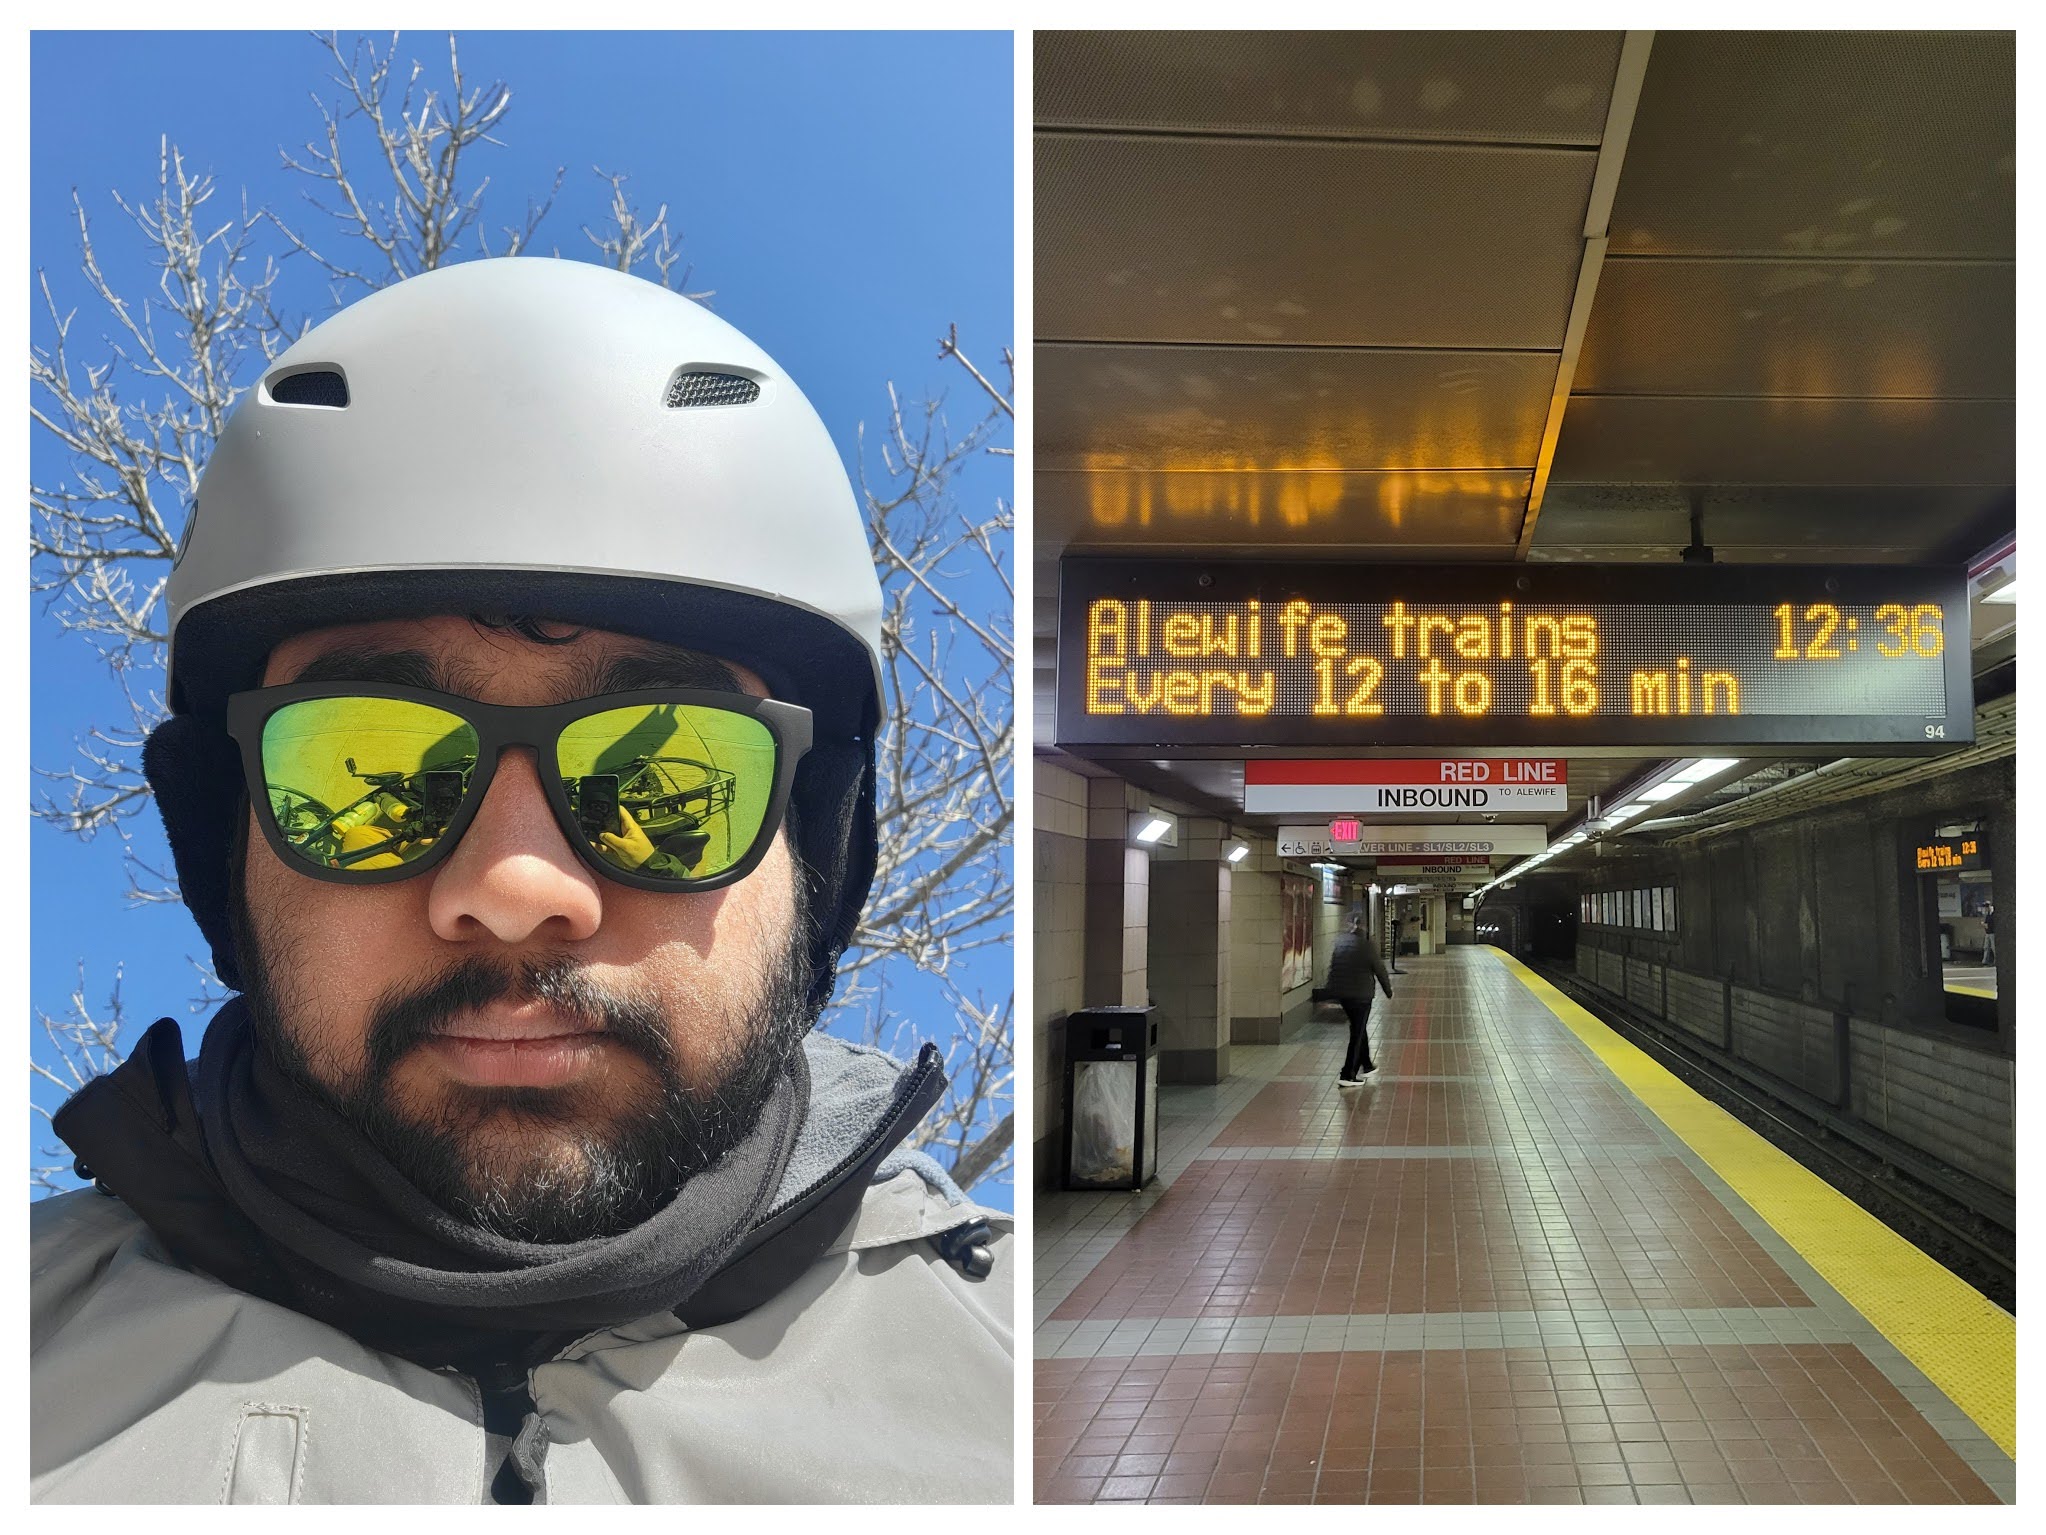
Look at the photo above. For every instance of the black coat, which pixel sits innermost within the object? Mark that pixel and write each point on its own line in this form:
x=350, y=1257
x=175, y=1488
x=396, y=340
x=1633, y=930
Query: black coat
x=1352, y=966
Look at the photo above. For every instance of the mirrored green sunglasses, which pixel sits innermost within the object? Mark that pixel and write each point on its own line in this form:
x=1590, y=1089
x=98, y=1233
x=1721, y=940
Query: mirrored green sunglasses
x=662, y=789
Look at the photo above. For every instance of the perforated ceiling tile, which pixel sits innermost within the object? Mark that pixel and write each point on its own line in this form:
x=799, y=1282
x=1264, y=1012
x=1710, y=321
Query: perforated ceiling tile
x=1823, y=143
x=1529, y=87
x=1888, y=329
x=1255, y=408
x=1476, y=514
x=1286, y=243
x=1714, y=442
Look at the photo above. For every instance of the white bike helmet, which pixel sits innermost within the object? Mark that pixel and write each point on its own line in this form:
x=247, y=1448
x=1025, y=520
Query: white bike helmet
x=544, y=438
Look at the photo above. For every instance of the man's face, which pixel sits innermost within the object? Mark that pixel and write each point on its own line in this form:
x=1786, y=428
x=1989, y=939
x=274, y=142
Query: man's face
x=534, y=1045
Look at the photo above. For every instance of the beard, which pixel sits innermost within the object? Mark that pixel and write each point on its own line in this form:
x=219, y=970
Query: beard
x=533, y=1164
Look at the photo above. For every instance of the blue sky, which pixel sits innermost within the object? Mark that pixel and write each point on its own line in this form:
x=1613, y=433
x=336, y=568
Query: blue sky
x=847, y=197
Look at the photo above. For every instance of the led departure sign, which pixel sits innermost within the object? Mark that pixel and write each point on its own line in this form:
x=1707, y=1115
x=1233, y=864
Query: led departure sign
x=1161, y=654
x=1950, y=855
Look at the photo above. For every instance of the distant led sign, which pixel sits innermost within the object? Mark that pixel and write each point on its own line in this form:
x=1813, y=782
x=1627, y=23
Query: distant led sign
x=1951, y=855
x=1160, y=654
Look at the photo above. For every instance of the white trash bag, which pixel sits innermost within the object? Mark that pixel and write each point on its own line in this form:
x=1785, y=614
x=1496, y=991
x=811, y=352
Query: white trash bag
x=1105, y=1122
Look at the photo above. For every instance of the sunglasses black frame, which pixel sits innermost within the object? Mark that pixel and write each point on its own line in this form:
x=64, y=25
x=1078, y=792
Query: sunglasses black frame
x=538, y=726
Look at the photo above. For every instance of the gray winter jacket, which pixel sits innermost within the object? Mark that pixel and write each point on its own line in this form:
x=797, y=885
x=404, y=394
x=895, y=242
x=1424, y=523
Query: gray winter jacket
x=882, y=1373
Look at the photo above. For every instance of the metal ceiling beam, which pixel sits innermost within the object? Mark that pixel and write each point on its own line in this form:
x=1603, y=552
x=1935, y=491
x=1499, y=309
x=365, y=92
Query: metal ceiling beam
x=1598, y=218
x=1845, y=779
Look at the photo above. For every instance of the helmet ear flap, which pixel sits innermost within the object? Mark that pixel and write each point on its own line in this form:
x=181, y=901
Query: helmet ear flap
x=195, y=771
x=833, y=802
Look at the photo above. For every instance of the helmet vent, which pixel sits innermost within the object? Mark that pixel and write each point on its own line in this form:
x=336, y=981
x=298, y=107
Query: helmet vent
x=323, y=387
x=692, y=389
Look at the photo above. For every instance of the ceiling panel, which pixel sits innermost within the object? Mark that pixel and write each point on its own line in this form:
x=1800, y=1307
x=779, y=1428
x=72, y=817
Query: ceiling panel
x=1416, y=514
x=1823, y=143
x=1540, y=87
x=1763, y=524
x=1255, y=408
x=1322, y=243
x=1886, y=329
x=1710, y=442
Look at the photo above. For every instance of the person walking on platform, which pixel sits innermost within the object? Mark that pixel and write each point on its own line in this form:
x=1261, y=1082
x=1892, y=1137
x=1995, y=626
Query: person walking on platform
x=1351, y=970
x=1988, y=932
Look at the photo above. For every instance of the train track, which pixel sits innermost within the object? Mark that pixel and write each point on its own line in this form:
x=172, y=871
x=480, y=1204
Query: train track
x=1973, y=1243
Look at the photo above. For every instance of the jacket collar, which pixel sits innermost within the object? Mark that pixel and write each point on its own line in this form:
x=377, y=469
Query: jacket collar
x=145, y=1143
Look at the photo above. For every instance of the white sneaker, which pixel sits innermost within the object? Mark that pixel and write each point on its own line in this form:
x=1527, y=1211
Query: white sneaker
x=1342, y=1081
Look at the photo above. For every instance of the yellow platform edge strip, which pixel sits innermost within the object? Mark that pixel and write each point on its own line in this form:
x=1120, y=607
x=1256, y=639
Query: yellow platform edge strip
x=1965, y=1344
x=1973, y=991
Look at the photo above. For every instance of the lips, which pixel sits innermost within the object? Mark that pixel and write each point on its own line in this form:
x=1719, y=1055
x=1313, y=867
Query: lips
x=528, y=1046
x=516, y=1025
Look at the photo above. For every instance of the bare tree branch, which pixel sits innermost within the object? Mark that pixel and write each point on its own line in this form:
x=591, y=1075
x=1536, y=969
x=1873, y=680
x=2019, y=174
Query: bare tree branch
x=417, y=223
x=84, y=1043
x=942, y=889
x=631, y=239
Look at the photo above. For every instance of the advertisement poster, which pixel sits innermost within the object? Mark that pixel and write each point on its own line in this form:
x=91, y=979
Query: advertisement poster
x=1296, y=931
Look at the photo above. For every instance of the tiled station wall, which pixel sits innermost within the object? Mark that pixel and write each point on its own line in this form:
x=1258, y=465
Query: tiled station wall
x=1116, y=923
x=1189, y=965
x=1791, y=934
x=1057, y=944
x=1951, y=1099
x=1255, y=930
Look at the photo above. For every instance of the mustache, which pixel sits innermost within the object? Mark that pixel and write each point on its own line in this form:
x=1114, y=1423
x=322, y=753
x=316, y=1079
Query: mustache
x=404, y=1019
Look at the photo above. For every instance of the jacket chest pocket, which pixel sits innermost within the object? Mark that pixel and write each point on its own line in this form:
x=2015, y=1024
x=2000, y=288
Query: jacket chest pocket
x=266, y=1459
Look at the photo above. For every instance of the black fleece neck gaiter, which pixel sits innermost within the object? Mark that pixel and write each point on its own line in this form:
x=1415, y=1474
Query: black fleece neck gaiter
x=367, y=1252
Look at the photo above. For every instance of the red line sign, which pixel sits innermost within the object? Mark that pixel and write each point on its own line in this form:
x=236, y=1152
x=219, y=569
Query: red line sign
x=1279, y=772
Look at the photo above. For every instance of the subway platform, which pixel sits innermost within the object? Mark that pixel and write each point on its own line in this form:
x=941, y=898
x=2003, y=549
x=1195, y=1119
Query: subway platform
x=1522, y=1264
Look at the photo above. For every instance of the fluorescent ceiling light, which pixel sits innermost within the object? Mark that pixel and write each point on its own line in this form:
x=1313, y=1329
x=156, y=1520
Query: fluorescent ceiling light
x=1239, y=852
x=1155, y=828
x=1704, y=768
x=2008, y=592
x=1656, y=793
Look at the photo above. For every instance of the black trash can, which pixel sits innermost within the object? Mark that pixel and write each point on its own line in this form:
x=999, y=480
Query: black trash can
x=1111, y=1098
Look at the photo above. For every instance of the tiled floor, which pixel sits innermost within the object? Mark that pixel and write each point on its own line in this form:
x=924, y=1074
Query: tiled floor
x=1488, y=1276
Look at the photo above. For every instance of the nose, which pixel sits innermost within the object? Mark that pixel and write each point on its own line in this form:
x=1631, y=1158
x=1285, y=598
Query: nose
x=513, y=877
